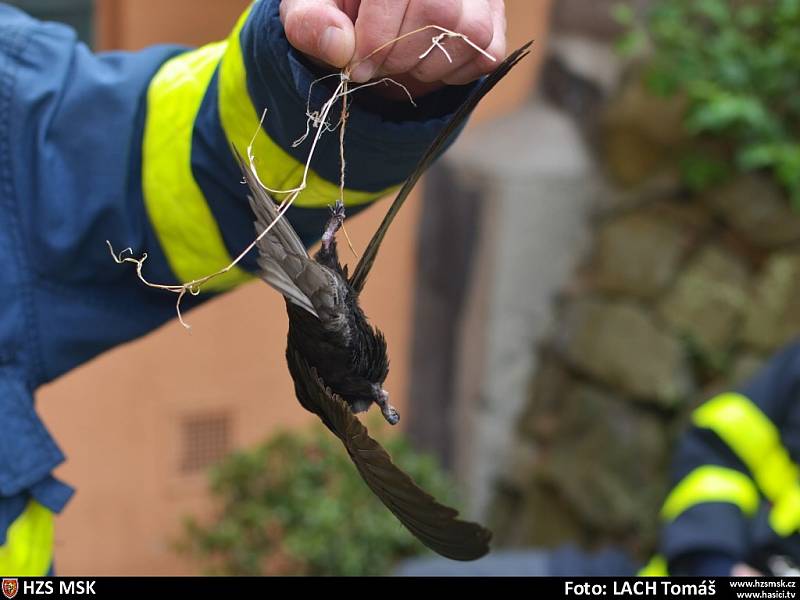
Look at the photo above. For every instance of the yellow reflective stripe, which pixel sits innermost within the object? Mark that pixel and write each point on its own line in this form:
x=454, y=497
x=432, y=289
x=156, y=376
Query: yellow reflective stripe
x=711, y=484
x=657, y=567
x=752, y=437
x=785, y=514
x=182, y=220
x=277, y=169
x=756, y=441
x=28, y=551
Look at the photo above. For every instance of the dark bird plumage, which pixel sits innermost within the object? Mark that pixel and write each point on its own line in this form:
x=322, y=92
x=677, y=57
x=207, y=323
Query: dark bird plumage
x=339, y=362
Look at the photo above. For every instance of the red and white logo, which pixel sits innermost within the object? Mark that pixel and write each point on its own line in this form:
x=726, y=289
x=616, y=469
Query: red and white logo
x=10, y=588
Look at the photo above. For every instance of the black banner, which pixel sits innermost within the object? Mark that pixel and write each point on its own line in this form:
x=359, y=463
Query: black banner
x=548, y=587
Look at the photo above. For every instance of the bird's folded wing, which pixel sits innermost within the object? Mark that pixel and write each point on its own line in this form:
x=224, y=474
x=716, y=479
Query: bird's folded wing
x=434, y=524
x=267, y=213
x=282, y=257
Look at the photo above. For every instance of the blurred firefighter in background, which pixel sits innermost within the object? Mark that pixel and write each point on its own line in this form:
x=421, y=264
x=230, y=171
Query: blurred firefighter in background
x=734, y=508
x=135, y=148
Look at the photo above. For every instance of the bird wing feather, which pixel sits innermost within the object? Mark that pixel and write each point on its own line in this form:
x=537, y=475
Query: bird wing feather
x=283, y=259
x=287, y=267
x=434, y=524
x=364, y=266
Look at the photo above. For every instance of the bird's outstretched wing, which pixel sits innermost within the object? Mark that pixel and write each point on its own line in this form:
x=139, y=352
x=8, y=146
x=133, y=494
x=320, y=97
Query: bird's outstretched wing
x=359, y=277
x=434, y=524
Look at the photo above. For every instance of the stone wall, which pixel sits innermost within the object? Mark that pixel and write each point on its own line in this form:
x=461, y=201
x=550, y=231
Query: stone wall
x=681, y=295
x=503, y=226
x=577, y=301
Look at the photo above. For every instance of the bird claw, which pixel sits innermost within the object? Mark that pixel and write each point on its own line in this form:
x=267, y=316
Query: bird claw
x=390, y=414
x=338, y=211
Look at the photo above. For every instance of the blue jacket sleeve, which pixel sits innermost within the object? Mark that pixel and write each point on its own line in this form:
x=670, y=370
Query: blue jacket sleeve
x=381, y=147
x=135, y=148
x=229, y=86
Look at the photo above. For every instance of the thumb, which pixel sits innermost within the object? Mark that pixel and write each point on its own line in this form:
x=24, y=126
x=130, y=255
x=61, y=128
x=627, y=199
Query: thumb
x=320, y=30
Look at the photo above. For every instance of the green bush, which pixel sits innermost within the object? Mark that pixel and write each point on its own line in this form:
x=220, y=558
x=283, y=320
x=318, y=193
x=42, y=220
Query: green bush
x=297, y=506
x=738, y=64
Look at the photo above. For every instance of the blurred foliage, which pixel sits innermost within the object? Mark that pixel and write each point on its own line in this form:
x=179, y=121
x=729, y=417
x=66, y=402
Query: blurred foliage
x=297, y=506
x=738, y=63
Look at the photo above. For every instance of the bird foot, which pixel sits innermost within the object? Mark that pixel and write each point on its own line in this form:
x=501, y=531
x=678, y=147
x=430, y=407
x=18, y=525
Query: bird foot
x=334, y=224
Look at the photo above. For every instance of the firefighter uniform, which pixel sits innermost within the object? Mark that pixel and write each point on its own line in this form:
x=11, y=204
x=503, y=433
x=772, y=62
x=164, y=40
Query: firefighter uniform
x=736, y=494
x=135, y=148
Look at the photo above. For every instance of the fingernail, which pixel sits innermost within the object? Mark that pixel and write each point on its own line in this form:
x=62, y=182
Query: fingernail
x=363, y=72
x=332, y=47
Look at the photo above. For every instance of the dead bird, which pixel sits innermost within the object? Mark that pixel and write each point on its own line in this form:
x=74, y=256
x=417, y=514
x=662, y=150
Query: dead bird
x=339, y=362
x=326, y=324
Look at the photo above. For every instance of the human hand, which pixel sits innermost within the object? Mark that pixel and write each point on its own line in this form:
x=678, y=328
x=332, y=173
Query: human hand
x=745, y=570
x=342, y=33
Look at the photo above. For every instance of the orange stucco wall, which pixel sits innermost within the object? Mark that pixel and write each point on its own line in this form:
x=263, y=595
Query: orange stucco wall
x=118, y=418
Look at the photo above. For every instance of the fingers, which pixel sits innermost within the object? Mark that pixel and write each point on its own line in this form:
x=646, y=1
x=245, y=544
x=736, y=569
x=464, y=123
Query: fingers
x=380, y=21
x=320, y=30
x=324, y=31
x=404, y=57
x=476, y=24
x=496, y=48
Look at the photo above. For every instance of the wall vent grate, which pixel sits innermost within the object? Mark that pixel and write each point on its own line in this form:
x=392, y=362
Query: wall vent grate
x=205, y=440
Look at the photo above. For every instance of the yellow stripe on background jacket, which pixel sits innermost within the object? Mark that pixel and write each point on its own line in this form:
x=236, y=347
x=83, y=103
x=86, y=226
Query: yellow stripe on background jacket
x=737, y=493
